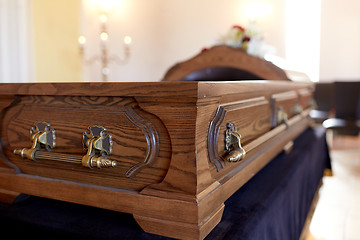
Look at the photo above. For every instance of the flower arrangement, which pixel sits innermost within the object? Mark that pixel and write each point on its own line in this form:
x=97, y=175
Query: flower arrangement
x=236, y=37
x=249, y=39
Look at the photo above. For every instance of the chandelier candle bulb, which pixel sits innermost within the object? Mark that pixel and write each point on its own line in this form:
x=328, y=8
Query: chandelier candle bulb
x=104, y=36
x=82, y=40
x=103, y=18
x=127, y=40
x=105, y=57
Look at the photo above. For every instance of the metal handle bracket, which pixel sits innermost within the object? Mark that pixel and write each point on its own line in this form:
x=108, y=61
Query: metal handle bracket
x=234, y=151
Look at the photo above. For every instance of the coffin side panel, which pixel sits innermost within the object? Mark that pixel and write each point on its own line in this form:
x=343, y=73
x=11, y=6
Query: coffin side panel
x=140, y=141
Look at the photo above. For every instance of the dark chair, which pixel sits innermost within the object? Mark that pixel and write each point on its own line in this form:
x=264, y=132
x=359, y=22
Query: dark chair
x=325, y=104
x=347, y=112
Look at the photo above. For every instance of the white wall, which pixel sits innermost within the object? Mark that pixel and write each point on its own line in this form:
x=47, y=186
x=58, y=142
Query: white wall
x=340, y=40
x=302, y=30
x=165, y=32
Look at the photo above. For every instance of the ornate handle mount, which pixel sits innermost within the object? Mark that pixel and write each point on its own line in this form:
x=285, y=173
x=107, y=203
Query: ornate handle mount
x=96, y=141
x=281, y=116
x=98, y=144
x=42, y=137
x=234, y=150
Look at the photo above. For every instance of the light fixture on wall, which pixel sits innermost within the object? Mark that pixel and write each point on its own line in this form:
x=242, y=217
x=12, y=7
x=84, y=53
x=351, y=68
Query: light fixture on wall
x=105, y=57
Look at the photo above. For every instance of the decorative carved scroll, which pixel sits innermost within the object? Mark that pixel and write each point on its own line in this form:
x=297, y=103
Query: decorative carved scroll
x=212, y=140
x=152, y=139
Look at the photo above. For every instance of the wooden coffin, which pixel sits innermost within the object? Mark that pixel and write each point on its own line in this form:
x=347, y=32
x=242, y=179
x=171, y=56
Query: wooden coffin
x=170, y=153
x=224, y=63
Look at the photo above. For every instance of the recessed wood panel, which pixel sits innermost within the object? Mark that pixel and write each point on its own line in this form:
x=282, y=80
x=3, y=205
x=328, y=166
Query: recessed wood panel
x=137, y=139
x=251, y=118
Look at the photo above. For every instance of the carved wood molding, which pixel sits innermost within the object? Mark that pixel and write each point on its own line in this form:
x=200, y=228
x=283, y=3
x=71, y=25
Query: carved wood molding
x=152, y=139
x=5, y=103
x=212, y=139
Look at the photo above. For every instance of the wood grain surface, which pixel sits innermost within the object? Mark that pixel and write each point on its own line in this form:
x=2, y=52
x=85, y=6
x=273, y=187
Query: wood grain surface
x=137, y=137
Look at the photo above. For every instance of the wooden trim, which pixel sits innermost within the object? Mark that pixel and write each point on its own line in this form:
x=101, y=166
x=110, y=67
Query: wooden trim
x=88, y=194
x=7, y=196
x=181, y=91
x=181, y=230
x=186, y=90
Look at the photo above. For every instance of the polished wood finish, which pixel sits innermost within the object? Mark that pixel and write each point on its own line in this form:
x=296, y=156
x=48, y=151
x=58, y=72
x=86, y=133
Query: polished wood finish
x=233, y=59
x=170, y=133
x=8, y=196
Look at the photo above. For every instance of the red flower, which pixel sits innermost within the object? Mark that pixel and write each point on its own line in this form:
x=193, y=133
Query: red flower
x=239, y=27
x=246, y=39
x=204, y=49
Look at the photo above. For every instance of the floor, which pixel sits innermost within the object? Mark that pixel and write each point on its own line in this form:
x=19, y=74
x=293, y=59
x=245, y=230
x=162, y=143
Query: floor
x=337, y=214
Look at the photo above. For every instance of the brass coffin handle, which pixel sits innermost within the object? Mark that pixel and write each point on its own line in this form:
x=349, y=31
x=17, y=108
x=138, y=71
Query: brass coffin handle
x=282, y=117
x=297, y=109
x=98, y=144
x=96, y=141
x=234, y=151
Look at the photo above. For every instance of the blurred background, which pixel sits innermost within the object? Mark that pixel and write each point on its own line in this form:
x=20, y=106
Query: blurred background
x=39, y=39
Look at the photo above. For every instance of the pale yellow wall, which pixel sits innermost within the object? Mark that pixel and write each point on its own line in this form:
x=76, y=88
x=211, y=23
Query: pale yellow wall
x=56, y=30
